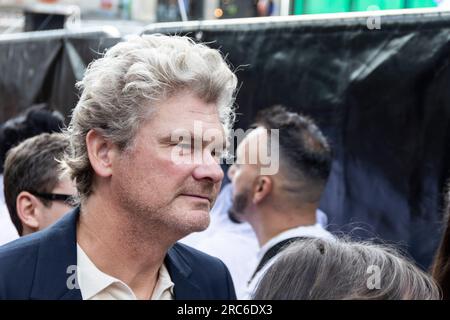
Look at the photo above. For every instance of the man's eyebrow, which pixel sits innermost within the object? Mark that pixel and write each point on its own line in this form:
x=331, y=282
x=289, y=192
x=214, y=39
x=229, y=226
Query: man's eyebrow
x=200, y=112
x=166, y=139
x=176, y=137
x=172, y=138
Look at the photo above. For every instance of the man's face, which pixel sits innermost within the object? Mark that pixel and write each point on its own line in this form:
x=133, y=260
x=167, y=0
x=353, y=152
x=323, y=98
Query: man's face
x=150, y=182
x=57, y=208
x=244, y=172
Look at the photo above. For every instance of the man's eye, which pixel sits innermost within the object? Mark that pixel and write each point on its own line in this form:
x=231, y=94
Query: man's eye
x=182, y=148
x=219, y=155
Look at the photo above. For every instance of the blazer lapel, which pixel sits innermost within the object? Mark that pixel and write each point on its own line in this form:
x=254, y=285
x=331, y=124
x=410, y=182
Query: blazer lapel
x=55, y=273
x=180, y=273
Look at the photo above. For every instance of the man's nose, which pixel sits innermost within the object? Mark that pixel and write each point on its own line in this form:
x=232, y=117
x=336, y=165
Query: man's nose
x=209, y=169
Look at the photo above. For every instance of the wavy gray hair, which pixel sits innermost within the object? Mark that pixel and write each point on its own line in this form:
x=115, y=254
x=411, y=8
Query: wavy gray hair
x=118, y=91
x=318, y=269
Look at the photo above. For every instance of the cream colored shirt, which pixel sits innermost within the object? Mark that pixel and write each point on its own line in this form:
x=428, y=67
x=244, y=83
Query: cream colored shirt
x=97, y=285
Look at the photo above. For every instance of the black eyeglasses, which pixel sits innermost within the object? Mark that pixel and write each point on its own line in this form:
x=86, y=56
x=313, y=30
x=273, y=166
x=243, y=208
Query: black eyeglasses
x=66, y=198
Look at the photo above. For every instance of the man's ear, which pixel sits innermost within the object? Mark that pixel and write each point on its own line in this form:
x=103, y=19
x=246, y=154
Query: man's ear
x=100, y=152
x=27, y=207
x=262, y=189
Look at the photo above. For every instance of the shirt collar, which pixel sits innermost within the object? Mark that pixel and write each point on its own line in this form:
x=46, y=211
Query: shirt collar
x=92, y=280
x=163, y=285
x=313, y=231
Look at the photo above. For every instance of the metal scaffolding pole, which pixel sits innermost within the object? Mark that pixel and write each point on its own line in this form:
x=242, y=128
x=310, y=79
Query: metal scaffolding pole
x=183, y=12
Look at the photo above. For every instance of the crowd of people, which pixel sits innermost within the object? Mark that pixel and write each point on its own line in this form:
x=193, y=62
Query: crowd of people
x=127, y=201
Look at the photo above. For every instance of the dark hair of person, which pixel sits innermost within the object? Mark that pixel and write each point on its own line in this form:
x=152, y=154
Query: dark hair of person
x=32, y=166
x=303, y=149
x=441, y=264
x=35, y=120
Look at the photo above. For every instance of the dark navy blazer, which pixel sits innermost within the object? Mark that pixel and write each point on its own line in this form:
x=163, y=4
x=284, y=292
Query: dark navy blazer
x=37, y=267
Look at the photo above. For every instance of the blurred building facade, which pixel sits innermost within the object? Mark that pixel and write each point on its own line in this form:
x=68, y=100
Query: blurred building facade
x=332, y=6
x=150, y=11
x=169, y=10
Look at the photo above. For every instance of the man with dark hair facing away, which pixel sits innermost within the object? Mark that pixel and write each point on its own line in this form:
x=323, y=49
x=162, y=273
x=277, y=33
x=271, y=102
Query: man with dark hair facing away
x=280, y=173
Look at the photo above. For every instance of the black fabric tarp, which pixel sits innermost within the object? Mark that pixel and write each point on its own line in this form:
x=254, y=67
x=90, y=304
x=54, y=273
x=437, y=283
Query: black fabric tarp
x=381, y=96
x=45, y=69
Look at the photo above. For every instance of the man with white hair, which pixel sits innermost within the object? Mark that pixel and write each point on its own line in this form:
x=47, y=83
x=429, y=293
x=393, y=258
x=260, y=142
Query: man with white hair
x=140, y=191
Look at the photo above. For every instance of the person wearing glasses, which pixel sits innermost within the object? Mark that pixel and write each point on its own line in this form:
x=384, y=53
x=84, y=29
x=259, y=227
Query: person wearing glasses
x=37, y=119
x=36, y=192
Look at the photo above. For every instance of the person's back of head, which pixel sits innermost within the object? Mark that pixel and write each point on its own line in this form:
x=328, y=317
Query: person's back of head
x=319, y=269
x=35, y=120
x=280, y=173
x=31, y=171
x=304, y=153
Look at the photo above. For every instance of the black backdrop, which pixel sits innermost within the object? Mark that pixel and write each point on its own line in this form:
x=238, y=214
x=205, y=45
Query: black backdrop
x=44, y=68
x=381, y=96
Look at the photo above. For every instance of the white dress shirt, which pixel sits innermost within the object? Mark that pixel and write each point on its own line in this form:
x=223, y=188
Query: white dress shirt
x=97, y=285
x=314, y=231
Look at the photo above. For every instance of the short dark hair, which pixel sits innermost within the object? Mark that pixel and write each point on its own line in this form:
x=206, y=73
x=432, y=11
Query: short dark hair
x=303, y=149
x=441, y=264
x=319, y=269
x=35, y=120
x=32, y=166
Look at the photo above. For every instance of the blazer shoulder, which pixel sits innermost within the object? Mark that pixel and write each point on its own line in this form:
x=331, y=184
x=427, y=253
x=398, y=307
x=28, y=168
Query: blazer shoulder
x=17, y=264
x=19, y=249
